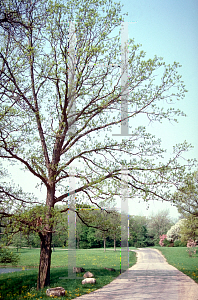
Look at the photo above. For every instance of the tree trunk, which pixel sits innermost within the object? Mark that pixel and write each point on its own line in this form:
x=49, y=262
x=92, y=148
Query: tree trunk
x=104, y=244
x=46, y=240
x=114, y=243
x=45, y=261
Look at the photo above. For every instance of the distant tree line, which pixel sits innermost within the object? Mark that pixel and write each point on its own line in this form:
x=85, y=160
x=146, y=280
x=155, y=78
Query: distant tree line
x=143, y=231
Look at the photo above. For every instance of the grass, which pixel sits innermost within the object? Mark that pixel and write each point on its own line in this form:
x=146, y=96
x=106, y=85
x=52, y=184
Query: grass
x=179, y=258
x=22, y=285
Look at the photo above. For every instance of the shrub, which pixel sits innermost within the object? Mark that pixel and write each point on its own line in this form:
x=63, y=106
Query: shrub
x=191, y=247
x=166, y=242
x=156, y=241
x=178, y=243
x=139, y=244
x=7, y=256
x=162, y=238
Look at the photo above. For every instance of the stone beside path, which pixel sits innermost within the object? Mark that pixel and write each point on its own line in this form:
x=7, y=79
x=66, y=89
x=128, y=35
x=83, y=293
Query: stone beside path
x=150, y=278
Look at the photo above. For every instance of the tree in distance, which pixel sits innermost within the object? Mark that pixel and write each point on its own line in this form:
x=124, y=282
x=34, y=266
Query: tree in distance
x=189, y=229
x=138, y=233
x=173, y=233
x=57, y=113
x=186, y=197
x=186, y=201
x=111, y=222
x=158, y=224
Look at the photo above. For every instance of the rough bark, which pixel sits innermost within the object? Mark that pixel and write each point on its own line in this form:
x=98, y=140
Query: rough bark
x=46, y=244
x=45, y=261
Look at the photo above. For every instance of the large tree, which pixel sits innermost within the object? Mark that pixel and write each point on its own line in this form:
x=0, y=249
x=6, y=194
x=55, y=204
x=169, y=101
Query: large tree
x=51, y=121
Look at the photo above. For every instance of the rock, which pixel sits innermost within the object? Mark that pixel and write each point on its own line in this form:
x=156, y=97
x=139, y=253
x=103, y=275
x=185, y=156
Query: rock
x=58, y=291
x=88, y=275
x=78, y=270
x=110, y=269
x=88, y=280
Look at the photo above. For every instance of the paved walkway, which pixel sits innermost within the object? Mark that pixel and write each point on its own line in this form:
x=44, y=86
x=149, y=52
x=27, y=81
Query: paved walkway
x=10, y=270
x=150, y=278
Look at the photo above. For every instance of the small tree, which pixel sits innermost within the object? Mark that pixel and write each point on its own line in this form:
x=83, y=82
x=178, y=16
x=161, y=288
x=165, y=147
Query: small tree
x=115, y=228
x=173, y=233
x=104, y=219
x=191, y=247
x=8, y=257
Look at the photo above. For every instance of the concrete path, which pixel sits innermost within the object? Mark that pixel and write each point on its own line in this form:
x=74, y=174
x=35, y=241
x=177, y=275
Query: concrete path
x=10, y=270
x=150, y=278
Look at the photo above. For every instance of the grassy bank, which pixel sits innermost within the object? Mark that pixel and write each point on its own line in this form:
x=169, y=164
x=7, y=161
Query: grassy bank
x=22, y=285
x=179, y=258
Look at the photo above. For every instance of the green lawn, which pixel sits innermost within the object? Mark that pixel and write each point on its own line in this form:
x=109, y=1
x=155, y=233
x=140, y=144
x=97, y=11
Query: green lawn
x=22, y=285
x=179, y=258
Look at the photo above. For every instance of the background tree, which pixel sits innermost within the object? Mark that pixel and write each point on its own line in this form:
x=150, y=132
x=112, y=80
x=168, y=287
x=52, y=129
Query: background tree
x=87, y=235
x=115, y=227
x=143, y=239
x=79, y=232
x=138, y=234
x=186, y=198
x=19, y=241
x=103, y=219
x=173, y=233
x=60, y=232
x=189, y=229
x=44, y=133
x=158, y=224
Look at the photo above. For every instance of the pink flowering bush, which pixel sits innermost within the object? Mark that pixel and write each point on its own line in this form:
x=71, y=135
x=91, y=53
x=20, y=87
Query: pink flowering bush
x=191, y=247
x=162, y=238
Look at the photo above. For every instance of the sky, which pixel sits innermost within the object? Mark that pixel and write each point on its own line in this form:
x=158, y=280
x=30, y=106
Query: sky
x=167, y=29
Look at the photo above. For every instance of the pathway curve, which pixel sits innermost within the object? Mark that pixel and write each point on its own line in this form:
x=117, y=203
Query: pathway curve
x=150, y=278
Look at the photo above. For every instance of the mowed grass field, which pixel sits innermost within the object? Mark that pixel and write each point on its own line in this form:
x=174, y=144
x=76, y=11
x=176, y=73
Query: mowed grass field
x=22, y=285
x=179, y=258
